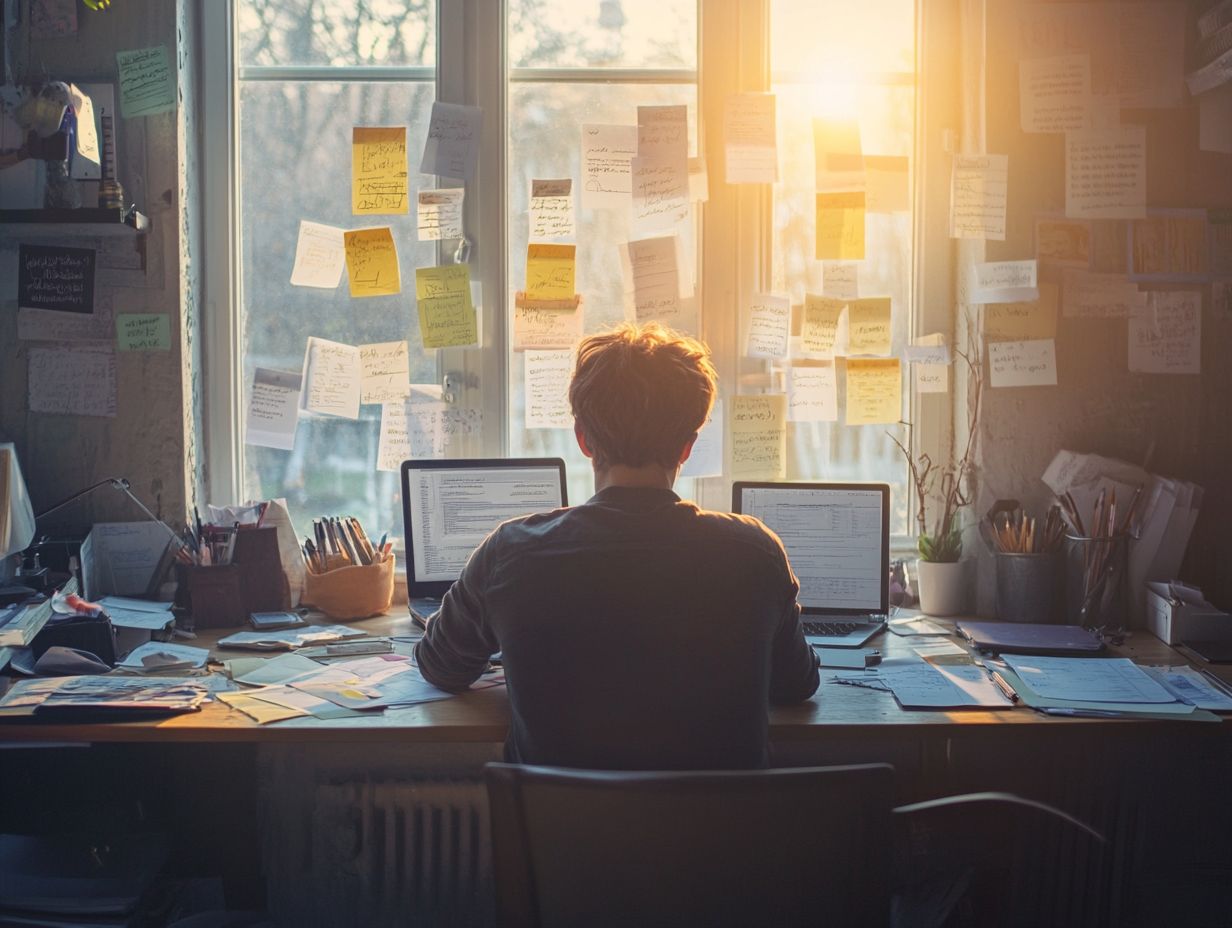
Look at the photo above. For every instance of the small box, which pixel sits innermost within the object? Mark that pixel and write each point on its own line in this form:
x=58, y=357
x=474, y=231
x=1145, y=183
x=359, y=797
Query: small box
x=215, y=595
x=1176, y=613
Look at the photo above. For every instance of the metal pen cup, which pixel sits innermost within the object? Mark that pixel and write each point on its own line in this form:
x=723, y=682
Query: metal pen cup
x=1097, y=581
x=1029, y=587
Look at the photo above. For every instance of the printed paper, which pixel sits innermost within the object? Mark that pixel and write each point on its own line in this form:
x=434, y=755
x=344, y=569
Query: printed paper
x=547, y=375
x=758, y=429
x=440, y=213
x=372, y=262
x=1023, y=364
x=447, y=317
x=378, y=170
x=749, y=137
x=319, y=256
x=331, y=379
x=978, y=196
x=385, y=372
x=812, y=393
x=273, y=409
x=452, y=149
x=874, y=391
x=769, y=326
x=1105, y=173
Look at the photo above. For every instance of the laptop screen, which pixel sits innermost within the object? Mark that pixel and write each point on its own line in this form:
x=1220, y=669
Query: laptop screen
x=837, y=537
x=449, y=506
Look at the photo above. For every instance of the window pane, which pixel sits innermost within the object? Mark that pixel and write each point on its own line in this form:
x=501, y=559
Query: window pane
x=603, y=33
x=842, y=38
x=336, y=32
x=288, y=172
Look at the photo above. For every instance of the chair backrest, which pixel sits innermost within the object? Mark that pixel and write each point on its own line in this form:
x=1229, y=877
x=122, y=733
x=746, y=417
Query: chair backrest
x=766, y=847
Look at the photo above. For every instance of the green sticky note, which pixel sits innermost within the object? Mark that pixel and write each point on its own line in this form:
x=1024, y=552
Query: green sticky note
x=147, y=83
x=143, y=331
x=446, y=314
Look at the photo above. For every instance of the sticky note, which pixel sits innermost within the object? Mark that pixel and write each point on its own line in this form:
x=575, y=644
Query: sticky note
x=758, y=429
x=812, y=393
x=978, y=196
x=868, y=326
x=546, y=381
x=535, y=326
x=378, y=170
x=440, y=214
x=1028, y=319
x=839, y=155
x=385, y=372
x=446, y=314
x=372, y=262
x=147, y=85
x=1023, y=364
x=452, y=147
x=840, y=280
x=551, y=209
x=769, y=326
x=331, y=379
x=319, y=256
x=874, y=391
x=143, y=331
x=550, y=271
x=819, y=328
x=273, y=409
x=1004, y=282
x=840, y=226
x=888, y=181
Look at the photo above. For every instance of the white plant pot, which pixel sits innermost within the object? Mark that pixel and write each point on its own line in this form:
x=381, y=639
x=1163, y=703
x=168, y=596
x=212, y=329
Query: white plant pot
x=944, y=589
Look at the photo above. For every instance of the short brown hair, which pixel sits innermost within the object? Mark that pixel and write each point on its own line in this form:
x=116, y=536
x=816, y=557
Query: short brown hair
x=639, y=393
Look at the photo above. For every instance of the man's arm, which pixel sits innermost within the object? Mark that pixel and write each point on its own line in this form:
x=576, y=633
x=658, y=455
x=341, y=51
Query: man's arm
x=794, y=676
x=456, y=646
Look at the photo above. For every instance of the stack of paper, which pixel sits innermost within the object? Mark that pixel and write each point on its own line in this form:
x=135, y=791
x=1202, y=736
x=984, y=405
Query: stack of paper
x=288, y=639
x=1106, y=686
x=106, y=692
x=919, y=684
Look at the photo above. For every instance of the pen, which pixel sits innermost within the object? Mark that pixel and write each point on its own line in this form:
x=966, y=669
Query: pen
x=380, y=549
x=1006, y=690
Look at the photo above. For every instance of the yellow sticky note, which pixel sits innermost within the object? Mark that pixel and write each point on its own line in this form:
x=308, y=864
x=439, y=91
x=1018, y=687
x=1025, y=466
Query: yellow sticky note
x=550, y=271
x=819, y=328
x=372, y=262
x=758, y=429
x=868, y=326
x=446, y=314
x=840, y=226
x=1033, y=319
x=378, y=171
x=874, y=391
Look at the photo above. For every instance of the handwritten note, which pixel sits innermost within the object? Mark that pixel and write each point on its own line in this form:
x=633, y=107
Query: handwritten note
x=840, y=226
x=273, y=409
x=1165, y=336
x=652, y=278
x=372, y=262
x=1105, y=173
x=874, y=391
x=749, y=139
x=147, y=84
x=888, y=181
x=422, y=426
x=978, y=196
x=1063, y=241
x=1105, y=296
x=535, y=327
x=661, y=169
x=546, y=380
x=319, y=256
x=758, y=429
x=769, y=326
x=72, y=381
x=929, y=357
x=385, y=372
x=812, y=393
x=1031, y=319
x=1055, y=93
x=1004, y=282
x=331, y=379
x=1171, y=246
x=607, y=176
x=819, y=327
x=447, y=316
x=868, y=326
x=1023, y=364
x=663, y=131
x=55, y=277
x=550, y=271
x=551, y=210
x=378, y=170
x=840, y=280
x=838, y=155
x=452, y=148
x=143, y=331
x=440, y=213
x=706, y=458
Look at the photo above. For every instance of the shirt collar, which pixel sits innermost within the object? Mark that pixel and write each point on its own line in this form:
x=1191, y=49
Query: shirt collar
x=635, y=498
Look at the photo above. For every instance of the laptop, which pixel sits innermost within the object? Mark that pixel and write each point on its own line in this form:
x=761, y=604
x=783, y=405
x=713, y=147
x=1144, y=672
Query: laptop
x=449, y=506
x=837, y=537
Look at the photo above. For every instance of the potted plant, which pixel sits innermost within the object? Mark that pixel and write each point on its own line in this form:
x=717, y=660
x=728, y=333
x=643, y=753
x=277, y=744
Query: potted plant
x=948, y=487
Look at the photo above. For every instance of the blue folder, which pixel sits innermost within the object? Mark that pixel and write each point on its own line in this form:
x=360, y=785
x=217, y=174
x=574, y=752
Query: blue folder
x=1030, y=638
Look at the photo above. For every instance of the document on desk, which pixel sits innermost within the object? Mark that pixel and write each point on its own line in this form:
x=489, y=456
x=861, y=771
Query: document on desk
x=137, y=613
x=289, y=638
x=270, y=671
x=164, y=656
x=259, y=710
x=1088, y=679
x=1190, y=686
x=922, y=685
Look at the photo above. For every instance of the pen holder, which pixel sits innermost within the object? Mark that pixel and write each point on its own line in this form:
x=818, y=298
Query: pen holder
x=1097, y=581
x=215, y=595
x=263, y=582
x=1029, y=587
x=353, y=592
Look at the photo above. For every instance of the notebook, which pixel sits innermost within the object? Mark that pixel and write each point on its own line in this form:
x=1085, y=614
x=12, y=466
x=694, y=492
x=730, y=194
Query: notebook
x=449, y=506
x=837, y=537
x=1030, y=638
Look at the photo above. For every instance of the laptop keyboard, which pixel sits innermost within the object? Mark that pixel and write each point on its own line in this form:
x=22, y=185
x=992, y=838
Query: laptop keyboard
x=829, y=629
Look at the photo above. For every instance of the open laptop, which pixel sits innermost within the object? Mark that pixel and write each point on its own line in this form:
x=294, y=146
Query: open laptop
x=449, y=506
x=837, y=537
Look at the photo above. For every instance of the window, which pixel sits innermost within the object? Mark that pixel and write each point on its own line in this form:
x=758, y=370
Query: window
x=303, y=73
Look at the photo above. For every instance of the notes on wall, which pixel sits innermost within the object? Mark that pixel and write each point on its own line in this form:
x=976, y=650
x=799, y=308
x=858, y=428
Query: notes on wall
x=55, y=277
x=758, y=429
x=1165, y=334
x=447, y=316
x=440, y=213
x=819, y=327
x=546, y=375
x=660, y=169
x=147, y=83
x=1063, y=241
x=372, y=262
x=537, y=327
x=550, y=271
x=1004, y=282
x=868, y=326
x=652, y=281
x=769, y=326
x=1105, y=173
x=1023, y=364
x=840, y=226
x=72, y=381
x=1030, y=319
x=452, y=148
x=1084, y=293
x=551, y=209
x=385, y=372
x=378, y=170
x=929, y=357
x=273, y=409
x=422, y=426
x=1169, y=245
x=749, y=136
x=607, y=154
x=706, y=458
x=840, y=280
x=143, y=332
x=1055, y=93
x=874, y=391
x=319, y=256
x=331, y=379
x=812, y=393
x=978, y=196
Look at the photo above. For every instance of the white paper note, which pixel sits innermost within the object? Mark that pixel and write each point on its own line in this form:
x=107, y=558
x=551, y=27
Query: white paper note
x=660, y=171
x=812, y=393
x=1055, y=93
x=385, y=372
x=546, y=328
x=1023, y=364
x=331, y=378
x=978, y=196
x=1106, y=296
x=273, y=409
x=819, y=328
x=72, y=381
x=1004, y=282
x=1165, y=336
x=1105, y=173
x=547, y=375
x=758, y=426
x=931, y=378
x=551, y=210
x=840, y=279
x=652, y=278
x=452, y=148
x=440, y=213
x=706, y=458
x=607, y=178
x=769, y=326
x=319, y=256
x=749, y=137
x=422, y=426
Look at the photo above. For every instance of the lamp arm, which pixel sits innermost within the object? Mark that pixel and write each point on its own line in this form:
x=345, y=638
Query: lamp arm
x=122, y=485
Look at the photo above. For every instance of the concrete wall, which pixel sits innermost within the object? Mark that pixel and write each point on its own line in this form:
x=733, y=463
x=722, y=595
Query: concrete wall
x=153, y=439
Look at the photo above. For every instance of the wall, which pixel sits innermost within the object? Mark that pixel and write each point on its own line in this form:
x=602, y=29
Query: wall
x=152, y=440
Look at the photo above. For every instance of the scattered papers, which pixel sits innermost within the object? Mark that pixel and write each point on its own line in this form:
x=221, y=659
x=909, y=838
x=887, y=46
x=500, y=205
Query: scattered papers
x=270, y=671
x=331, y=379
x=922, y=685
x=840, y=280
x=452, y=148
x=259, y=710
x=72, y=381
x=1004, y=282
x=706, y=458
x=447, y=317
x=378, y=171
x=385, y=372
x=147, y=84
x=137, y=613
x=550, y=271
x=749, y=137
x=1024, y=320
x=1088, y=679
x=288, y=639
x=1105, y=173
x=1106, y=296
x=1023, y=364
x=439, y=213
x=758, y=429
x=868, y=326
x=1055, y=93
x=840, y=226
x=372, y=262
x=607, y=176
x=319, y=256
x=143, y=332
x=423, y=426
x=546, y=378
x=163, y=656
x=55, y=277
x=132, y=694
x=819, y=328
x=551, y=209
x=941, y=649
x=978, y=196
x=535, y=327
x=769, y=326
x=874, y=391
x=273, y=408
x=812, y=393
x=839, y=156
x=1165, y=336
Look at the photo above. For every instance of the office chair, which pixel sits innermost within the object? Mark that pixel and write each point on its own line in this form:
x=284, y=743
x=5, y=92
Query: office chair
x=807, y=846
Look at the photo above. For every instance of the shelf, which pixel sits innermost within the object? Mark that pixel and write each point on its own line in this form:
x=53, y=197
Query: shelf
x=83, y=222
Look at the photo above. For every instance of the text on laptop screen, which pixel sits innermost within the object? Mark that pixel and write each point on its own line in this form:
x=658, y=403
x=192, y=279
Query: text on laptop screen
x=833, y=540
x=453, y=509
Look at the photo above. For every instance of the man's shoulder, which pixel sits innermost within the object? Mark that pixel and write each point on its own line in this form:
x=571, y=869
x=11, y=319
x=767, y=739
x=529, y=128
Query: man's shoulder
x=740, y=529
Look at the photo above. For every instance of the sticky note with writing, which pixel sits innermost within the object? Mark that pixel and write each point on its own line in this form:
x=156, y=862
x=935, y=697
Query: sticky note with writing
x=819, y=328
x=868, y=326
x=758, y=429
x=378, y=170
x=143, y=331
x=372, y=262
x=840, y=226
x=446, y=314
x=147, y=85
x=874, y=391
x=550, y=271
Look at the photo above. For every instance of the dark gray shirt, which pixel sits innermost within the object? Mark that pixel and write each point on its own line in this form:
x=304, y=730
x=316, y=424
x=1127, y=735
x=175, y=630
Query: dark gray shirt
x=638, y=632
